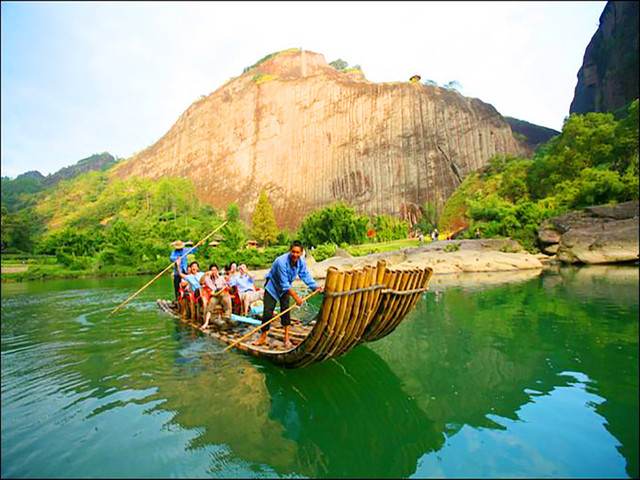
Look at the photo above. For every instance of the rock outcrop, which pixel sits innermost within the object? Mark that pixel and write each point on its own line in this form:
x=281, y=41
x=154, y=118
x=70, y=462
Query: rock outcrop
x=599, y=234
x=310, y=135
x=608, y=78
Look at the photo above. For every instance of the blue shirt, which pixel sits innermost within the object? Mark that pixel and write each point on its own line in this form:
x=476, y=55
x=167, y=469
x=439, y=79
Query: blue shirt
x=243, y=282
x=183, y=263
x=282, y=275
x=194, y=280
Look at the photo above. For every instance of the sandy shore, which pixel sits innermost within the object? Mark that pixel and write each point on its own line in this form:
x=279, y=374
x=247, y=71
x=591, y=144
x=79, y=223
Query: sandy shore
x=483, y=256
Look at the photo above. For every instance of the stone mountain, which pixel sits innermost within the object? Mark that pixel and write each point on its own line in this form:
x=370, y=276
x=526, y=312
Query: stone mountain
x=310, y=134
x=608, y=78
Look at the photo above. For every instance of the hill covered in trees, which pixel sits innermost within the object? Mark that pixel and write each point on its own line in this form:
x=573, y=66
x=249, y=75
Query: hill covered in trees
x=34, y=181
x=593, y=161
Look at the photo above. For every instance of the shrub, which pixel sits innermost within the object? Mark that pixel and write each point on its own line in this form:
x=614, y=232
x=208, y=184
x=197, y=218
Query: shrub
x=336, y=223
x=324, y=251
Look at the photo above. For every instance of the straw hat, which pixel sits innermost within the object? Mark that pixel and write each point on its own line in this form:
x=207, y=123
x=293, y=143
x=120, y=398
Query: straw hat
x=178, y=244
x=188, y=243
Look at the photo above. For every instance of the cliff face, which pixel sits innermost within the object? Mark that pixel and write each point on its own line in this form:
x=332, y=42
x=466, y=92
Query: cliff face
x=608, y=78
x=310, y=135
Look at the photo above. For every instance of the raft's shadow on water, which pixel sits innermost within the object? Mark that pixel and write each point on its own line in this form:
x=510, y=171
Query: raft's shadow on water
x=351, y=418
x=343, y=418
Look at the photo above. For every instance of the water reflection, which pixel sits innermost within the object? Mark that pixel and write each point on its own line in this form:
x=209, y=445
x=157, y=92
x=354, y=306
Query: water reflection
x=472, y=354
x=479, y=381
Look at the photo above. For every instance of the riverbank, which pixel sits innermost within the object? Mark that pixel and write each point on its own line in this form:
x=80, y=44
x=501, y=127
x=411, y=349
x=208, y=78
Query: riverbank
x=451, y=260
x=445, y=257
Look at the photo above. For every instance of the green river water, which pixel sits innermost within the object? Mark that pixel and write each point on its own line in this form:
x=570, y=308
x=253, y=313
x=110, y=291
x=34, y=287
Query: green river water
x=496, y=377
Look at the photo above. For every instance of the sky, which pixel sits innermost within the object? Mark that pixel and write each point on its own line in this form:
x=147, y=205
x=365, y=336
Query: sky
x=80, y=78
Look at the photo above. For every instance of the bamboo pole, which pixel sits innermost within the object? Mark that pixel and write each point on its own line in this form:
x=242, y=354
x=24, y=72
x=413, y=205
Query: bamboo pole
x=357, y=313
x=401, y=279
x=372, y=301
x=400, y=309
x=267, y=323
x=335, y=327
x=349, y=317
x=391, y=280
x=424, y=277
x=308, y=354
x=163, y=271
x=327, y=333
x=396, y=304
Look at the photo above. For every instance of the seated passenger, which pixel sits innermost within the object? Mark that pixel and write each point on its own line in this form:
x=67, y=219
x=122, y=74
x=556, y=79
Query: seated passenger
x=185, y=287
x=247, y=290
x=193, y=278
x=219, y=295
x=230, y=271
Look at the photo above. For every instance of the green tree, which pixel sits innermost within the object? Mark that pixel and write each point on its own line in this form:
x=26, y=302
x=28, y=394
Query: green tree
x=388, y=228
x=233, y=212
x=263, y=224
x=335, y=223
x=339, y=64
x=234, y=236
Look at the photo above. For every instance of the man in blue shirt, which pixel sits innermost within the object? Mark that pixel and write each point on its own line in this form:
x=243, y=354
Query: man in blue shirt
x=278, y=288
x=180, y=267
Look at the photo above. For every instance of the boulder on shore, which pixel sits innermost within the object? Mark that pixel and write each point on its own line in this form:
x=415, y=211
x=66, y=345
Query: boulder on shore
x=598, y=234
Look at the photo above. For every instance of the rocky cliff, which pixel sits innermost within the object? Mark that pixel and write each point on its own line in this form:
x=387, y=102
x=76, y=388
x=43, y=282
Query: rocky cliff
x=598, y=234
x=310, y=134
x=608, y=78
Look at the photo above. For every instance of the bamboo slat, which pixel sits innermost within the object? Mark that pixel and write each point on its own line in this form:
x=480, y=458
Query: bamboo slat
x=397, y=283
x=425, y=276
x=306, y=348
x=374, y=301
x=390, y=279
x=397, y=313
x=351, y=315
x=359, y=313
x=337, y=332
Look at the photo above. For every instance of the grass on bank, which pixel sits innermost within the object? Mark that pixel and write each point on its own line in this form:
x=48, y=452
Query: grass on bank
x=368, y=248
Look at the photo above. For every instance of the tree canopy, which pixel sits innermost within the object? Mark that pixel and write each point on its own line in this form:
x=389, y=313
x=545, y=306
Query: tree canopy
x=263, y=225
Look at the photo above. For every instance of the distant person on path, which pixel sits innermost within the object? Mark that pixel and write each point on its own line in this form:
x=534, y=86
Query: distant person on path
x=278, y=288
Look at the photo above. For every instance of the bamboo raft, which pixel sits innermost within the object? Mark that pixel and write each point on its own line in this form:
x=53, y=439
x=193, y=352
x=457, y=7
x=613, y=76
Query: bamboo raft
x=360, y=305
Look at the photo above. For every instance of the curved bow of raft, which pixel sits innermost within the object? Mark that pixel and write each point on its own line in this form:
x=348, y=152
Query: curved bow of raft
x=360, y=305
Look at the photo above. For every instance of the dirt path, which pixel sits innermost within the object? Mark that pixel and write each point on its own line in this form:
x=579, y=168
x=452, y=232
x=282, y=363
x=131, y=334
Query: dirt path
x=14, y=269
